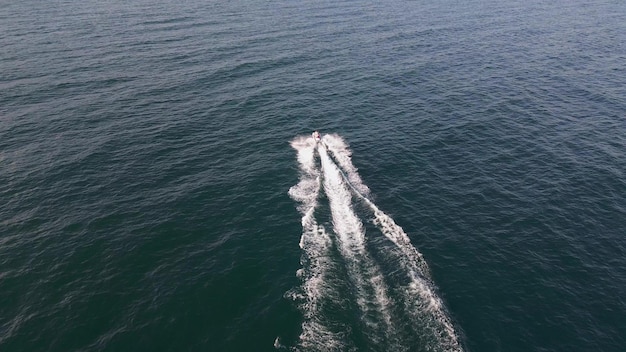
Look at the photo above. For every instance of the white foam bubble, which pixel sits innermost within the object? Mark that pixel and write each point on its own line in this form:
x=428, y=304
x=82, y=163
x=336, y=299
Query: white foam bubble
x=342, y=154
x=340, y=181
x=372, y=297
x=421, y=285
x=412, y=260
x=316, y=245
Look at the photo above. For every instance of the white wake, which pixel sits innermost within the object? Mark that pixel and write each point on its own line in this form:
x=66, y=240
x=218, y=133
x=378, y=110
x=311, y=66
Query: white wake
x=316, y=261
x=386, y=307
x=363, y=271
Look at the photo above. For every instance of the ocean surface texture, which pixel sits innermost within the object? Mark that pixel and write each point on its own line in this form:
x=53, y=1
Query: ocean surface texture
x=160, y=189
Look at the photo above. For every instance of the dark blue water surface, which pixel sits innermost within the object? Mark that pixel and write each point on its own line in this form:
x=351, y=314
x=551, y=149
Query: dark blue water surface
x=145, y=170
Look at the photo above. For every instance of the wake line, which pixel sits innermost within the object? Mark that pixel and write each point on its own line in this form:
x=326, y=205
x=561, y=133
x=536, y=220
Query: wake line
x=412, y=260
x=398, y=316
x=391, y=230
x=316, y=244
x=342, y=154
x=362, y=270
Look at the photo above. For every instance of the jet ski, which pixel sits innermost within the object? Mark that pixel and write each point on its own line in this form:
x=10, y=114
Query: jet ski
x=317, y=136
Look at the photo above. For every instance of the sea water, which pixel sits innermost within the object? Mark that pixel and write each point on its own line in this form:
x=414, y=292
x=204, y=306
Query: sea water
x=160, y=189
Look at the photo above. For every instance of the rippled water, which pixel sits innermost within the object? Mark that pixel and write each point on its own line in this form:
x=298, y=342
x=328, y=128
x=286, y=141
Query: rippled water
x=146, y=168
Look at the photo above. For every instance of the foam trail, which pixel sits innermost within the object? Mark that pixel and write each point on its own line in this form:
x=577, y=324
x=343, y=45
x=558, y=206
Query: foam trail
x=316, y=244
x=415, y=305
x=412, y=260
x=342, y=154
x=421, y=284
x=367, y=278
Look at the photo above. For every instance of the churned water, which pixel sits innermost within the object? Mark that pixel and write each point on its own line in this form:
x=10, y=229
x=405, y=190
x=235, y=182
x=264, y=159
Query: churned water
x=160, y=189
